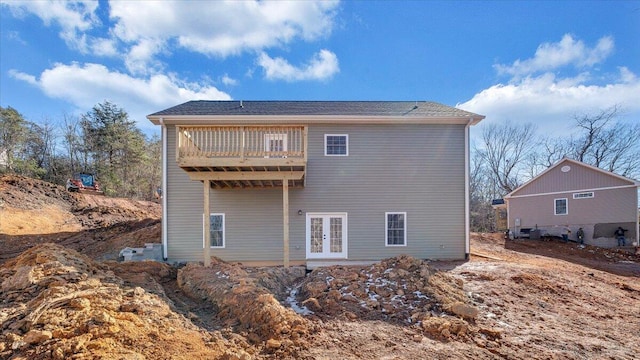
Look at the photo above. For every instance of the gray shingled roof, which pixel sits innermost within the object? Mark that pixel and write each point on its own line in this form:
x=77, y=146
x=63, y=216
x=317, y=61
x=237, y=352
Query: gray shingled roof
x=328, y=108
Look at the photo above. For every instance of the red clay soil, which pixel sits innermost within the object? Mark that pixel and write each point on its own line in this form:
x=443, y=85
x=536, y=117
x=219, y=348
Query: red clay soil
x=523, y=299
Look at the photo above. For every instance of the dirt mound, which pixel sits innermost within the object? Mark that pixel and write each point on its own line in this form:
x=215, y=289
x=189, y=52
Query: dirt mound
x=60, y=304
x=25, y=193
x=243, y=302
x=30, y=206
x=94, y=211
x=34, y=212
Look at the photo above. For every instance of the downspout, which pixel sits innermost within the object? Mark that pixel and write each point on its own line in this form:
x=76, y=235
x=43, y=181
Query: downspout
x=467, y=207
x=164, y=190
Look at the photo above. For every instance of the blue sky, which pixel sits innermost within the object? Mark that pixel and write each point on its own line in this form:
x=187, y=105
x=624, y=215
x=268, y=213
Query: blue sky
x=540, y=62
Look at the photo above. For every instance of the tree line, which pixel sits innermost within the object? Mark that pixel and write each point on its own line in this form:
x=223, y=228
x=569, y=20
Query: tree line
x=103, y=141
x=507, y=155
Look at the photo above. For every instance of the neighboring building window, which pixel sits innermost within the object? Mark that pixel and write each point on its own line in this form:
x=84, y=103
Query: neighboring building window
x=216, y=229
x=583, y=195
x=336, y=145
x=396, y=228
x=561, y=206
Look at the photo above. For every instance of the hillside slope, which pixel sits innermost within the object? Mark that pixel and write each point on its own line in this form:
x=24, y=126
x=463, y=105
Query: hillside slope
x=34, y=212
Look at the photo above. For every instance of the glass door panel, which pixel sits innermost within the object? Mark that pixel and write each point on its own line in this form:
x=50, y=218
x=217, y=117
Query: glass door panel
x=326, y=235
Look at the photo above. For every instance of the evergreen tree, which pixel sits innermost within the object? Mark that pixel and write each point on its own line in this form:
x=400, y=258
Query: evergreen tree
x=115, y=146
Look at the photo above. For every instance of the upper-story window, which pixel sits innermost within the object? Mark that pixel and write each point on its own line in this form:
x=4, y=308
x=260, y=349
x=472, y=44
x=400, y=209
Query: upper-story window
x=336, y=145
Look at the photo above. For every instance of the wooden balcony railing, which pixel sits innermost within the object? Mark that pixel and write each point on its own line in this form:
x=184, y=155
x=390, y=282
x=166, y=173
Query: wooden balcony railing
x=229, y=145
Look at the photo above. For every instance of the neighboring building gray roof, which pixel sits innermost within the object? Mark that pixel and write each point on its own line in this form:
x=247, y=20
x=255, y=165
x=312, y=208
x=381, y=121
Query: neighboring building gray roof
x=315, y=108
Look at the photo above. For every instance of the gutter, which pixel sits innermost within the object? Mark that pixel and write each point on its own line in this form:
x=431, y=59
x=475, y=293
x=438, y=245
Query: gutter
x=164, y=190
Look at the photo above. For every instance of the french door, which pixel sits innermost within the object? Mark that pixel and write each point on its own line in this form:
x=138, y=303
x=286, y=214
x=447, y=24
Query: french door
x=326, y=235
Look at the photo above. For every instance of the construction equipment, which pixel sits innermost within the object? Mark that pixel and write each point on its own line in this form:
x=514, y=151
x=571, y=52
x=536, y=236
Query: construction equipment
x=84, y=183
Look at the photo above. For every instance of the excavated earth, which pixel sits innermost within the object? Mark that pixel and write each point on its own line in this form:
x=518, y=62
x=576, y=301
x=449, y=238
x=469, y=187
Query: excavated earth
x=62, y=296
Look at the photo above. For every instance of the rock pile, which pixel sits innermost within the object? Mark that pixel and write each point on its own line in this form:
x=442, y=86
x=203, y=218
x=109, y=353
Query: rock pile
x=401, y=289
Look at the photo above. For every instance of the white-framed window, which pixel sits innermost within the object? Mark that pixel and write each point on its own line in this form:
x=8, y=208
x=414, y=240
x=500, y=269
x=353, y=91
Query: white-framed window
x=583, y=195
x=216, y=228
x=336, y=145
x=395, y=224
x=561, y=206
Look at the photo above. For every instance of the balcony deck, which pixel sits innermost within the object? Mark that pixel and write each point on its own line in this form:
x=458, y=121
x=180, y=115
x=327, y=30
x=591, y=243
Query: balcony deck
x=243, y=156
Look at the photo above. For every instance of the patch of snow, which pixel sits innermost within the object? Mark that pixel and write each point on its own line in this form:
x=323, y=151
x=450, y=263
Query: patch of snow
x=293, y=303
x=222, y=275
x=420, y=295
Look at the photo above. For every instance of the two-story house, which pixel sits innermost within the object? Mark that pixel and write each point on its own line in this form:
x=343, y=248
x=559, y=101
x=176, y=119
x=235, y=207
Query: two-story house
x=314, y=182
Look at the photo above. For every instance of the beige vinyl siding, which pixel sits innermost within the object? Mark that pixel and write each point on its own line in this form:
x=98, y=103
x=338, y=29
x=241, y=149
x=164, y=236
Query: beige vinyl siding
x=417, y=169
x=607, y=206
x=579, y=177
x=184, y=209
x=406, y=168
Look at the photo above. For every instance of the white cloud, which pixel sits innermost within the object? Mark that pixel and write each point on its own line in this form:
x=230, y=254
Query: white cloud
x=217, y=28
x=626, y=76
x=15, y=36
x=104, y=47
x=141, y=30
x=228, y=80
x=536, y=94
x=140, y=59
x=24, y=77
x=567, y=51
x=74, y=17
x=321, y=67
x=551, y=103
x=86, y=85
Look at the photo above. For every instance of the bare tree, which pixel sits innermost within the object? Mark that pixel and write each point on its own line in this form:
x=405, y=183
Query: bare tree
x=505, y=151
x=481, y=192
x=72, y=141
x=40, y=149
x=606, y=141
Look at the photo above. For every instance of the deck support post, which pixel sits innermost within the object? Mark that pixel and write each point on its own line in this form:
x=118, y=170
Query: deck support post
x=285, y=219
x=207, y=223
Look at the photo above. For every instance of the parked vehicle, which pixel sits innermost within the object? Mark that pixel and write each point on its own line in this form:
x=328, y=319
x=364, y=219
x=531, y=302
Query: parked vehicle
x=84, y=183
